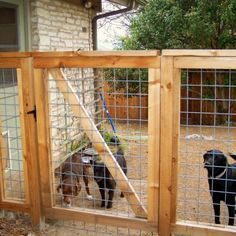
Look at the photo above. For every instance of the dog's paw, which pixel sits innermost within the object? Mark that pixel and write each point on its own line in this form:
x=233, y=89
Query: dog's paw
x=109, y=205
x=89, y=197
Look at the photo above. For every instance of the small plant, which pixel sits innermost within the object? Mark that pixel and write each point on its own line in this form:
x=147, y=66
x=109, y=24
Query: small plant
x=107, y=136
x=79, y=144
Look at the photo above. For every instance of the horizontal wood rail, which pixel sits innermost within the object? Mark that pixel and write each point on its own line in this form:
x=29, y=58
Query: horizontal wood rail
x=95, y=217
x=15, y=206
x=93, y=59
x=13, y=62
x=201, y=229
x=95, y=62
x=128, y=53
x=205, y=62
x=199, y=53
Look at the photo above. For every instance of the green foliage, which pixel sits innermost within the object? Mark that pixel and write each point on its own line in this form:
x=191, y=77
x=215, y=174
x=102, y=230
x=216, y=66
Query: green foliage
x=76, y=145
x=189, y=24
x=107, y=136
x=183, y=24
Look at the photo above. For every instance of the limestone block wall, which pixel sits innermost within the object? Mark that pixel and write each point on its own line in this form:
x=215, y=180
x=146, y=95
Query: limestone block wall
x=60, y=26
x=57, y=25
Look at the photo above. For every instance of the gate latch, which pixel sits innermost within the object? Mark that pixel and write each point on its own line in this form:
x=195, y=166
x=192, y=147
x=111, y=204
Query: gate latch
x=34, y=112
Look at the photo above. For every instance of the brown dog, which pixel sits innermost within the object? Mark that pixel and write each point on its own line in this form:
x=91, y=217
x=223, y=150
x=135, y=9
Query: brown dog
x=70, y=172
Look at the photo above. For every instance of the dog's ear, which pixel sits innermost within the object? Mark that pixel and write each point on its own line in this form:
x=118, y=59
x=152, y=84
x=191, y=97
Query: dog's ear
x=215, y=153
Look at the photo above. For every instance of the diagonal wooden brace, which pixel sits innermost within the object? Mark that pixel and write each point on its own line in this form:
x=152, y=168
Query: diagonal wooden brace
x=99, y=144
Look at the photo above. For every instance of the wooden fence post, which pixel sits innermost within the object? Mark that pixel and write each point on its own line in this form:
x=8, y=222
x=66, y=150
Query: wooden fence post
x=166, y=145
x=41, y=95
x=2, y=156
x=175, y=140
x=153, y=143
x=29, y=137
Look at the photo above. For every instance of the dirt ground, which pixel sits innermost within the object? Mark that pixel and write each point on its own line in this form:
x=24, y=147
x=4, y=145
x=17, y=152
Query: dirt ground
x=134, y=142
x=193, y=201
x=16, y=225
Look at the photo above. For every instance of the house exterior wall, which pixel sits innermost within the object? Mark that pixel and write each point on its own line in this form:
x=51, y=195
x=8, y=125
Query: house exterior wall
x=60, y=26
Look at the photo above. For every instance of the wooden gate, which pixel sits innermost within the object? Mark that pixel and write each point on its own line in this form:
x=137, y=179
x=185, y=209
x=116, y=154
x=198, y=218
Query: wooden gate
x=48, y=69
x=34, y=70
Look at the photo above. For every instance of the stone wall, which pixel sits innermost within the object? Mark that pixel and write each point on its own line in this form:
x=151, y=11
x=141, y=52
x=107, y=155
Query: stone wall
x=60, y=26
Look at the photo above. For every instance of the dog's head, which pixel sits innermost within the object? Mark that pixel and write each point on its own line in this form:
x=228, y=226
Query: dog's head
x=215, y=162
x=70, y=188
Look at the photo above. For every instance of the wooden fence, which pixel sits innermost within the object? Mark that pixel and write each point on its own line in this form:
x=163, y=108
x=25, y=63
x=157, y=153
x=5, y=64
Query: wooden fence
x=124, y=108
x=163, y=134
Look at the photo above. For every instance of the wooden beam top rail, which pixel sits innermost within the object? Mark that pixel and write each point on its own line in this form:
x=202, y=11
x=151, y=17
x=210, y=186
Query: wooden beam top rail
x=85, y=59
x=10, y=62
x=199, y=53
x=127, y=53
x=97, y=62
x=14, y=54
x=205, y=62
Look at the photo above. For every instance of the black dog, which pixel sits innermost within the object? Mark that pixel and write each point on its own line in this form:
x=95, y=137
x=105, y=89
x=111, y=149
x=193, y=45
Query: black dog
x=104, y=179
x=222, y=182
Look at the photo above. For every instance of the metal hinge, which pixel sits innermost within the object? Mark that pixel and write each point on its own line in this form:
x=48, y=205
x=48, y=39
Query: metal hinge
x=34, y=112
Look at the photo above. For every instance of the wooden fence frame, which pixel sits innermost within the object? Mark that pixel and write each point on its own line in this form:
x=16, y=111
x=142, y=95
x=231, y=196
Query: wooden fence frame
x=22, y=62
x=130, y=59
x=163, y=132
x=172, y=61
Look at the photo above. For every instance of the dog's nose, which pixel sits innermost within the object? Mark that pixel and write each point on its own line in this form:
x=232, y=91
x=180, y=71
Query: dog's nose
x=67, y=201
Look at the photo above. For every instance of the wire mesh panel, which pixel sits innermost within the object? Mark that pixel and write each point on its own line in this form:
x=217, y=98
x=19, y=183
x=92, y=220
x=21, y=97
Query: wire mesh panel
x=10, y=137
x=116, y=102
x=208, y=129
x=72, y=228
